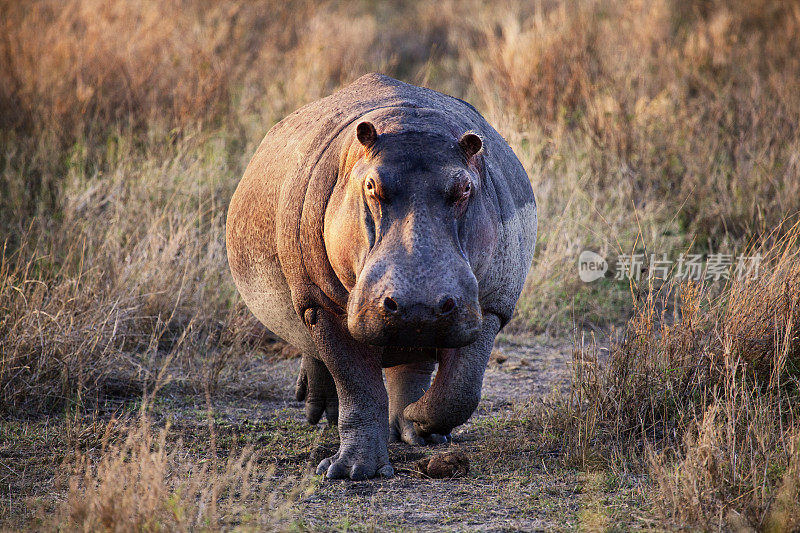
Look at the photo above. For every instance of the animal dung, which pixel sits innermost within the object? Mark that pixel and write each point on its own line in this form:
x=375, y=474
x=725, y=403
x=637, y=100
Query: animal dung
x=443, y=465
x=498, y=357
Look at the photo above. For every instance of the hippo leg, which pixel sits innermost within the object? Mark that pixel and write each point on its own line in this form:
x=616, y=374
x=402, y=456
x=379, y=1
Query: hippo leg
x=315, y=385
x=407, y=383
x=363, y=403
x=456, y=391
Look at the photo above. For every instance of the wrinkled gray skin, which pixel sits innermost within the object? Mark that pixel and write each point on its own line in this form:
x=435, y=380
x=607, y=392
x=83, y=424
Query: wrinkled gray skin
x=385, y=226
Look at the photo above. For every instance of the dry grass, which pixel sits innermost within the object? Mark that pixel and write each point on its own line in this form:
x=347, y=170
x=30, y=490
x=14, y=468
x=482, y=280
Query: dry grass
x=78, y=67
x=708, y=397
x=644, y=127
x=693, y=105
x=737, y=463
x=145, y=480
x=134, y=274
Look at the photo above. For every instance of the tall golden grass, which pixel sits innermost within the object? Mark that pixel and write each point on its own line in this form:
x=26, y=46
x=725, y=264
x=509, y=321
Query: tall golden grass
x=124, y=128
x=709, y=396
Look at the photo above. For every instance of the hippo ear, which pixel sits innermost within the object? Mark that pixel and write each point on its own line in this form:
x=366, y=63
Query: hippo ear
x=471, y=144
x=366, y=134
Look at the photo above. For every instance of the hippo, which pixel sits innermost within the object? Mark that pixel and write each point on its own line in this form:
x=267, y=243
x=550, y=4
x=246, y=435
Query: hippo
x=386, y=226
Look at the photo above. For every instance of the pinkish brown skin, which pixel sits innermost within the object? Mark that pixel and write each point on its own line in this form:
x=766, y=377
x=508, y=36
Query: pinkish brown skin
x=385, y=226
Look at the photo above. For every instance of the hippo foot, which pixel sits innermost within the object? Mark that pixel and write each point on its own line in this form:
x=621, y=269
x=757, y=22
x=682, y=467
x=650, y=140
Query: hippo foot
x=343, y=466
x=315, y=407
x=403, y=430
x=424, y=423
x=316, y=386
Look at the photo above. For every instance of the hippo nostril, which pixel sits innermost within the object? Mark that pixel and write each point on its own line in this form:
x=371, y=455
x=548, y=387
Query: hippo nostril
x=447, y=305
x=390, y=305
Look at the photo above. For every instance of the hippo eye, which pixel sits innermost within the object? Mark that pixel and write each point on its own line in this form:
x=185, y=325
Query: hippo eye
x=460, y=197
x=466, y=191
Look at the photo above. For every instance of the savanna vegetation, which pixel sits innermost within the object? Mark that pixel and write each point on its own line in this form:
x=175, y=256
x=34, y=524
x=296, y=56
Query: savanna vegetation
x=660, y=127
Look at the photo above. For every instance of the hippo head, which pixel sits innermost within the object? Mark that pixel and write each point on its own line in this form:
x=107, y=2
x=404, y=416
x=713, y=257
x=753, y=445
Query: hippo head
x=407, y=232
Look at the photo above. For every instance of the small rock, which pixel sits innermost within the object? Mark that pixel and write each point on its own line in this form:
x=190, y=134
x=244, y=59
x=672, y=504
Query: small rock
x=444, y=465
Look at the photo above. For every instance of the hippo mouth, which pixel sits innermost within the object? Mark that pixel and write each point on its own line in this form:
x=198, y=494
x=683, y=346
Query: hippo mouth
x=416, y=328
